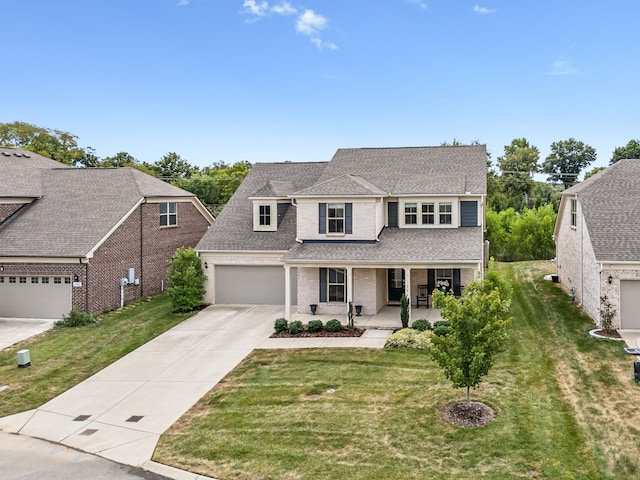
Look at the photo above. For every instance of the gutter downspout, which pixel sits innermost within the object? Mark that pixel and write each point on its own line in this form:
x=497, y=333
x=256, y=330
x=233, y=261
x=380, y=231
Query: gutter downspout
x=600, y=292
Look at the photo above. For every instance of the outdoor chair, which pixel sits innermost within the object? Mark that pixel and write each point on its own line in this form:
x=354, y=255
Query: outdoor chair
x=423, y=296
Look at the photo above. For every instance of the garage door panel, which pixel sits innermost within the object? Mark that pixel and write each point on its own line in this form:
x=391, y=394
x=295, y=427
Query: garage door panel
x=34, y=300
x=247, y=285
x=630, y=304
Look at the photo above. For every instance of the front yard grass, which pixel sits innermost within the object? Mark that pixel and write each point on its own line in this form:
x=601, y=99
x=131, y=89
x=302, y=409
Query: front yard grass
x=63, y=357
x=565, y=406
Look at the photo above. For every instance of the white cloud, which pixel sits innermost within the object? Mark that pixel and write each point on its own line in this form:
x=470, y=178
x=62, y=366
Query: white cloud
x=183, y=3
x=562, y=67
x=322, y=45
x=285, y=8
x=310, y=23
x=259, y=9
x=482, y=10
x=419, y=3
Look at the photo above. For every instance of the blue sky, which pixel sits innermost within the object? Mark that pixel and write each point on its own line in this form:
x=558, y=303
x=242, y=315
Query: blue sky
x=272, y=81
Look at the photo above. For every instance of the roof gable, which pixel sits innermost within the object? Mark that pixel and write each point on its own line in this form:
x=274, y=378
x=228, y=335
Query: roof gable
x=345, y=185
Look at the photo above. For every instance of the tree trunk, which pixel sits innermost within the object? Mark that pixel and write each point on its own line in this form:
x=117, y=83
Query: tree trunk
x=468, y=396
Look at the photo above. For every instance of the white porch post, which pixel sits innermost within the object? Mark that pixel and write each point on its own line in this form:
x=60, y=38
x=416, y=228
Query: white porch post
x=407, y=288
x=287, y=292
x=349, y=271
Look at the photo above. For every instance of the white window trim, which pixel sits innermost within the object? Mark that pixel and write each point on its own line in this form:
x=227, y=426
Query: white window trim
x=273, y=226
x=436, y=201
x=168, y=214
x=335, y=206
x=412, y=205
x=573, y=203
x=344, y=285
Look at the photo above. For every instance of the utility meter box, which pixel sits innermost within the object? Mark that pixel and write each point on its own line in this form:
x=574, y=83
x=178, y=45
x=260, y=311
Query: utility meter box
x=24, y=359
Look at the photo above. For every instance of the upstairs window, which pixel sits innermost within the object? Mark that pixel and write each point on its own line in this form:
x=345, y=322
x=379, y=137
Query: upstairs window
x=335, y=218
x=410, y=213
x=574, y=212
x=445, y=210
x=264, y=215
x=168, y=214
x=428, y=214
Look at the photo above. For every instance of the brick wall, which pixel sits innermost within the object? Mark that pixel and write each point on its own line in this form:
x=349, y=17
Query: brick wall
x=8, y=209
x=140, y=243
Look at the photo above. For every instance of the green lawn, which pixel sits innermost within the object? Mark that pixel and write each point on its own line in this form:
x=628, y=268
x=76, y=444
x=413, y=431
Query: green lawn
x=63, y=357
x=565, y=406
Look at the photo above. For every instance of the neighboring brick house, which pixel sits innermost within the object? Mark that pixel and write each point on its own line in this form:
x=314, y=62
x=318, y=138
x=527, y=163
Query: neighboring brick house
x=69, y=235
x=597, y=236
x=366, y=227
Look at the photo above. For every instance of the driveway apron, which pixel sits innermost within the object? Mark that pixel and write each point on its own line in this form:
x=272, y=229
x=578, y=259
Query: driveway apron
x=120, y=412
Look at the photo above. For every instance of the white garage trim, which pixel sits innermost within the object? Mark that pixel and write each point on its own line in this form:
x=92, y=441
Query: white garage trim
x=252, y=284
x=24, y=296
x=630, y=304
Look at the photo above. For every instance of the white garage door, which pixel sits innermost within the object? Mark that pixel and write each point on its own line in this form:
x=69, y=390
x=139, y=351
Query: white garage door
x=630, y=304
x=34, y=297
x=253, y=285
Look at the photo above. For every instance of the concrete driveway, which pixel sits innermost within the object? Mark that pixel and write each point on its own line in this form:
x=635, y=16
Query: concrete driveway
x=14, y=330
x=120, y=412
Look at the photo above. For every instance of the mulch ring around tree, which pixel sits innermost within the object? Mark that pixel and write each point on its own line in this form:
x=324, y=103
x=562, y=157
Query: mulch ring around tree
x=469, y=416
x=599, y=333
x=345, y=332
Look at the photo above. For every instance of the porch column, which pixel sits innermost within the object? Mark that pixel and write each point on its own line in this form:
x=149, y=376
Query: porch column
x=349, y=280
x=407, y=288
x=287, y=292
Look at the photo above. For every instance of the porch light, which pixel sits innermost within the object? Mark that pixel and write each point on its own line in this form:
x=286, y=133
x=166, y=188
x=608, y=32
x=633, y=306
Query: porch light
x=610, y=279
x=206, y=265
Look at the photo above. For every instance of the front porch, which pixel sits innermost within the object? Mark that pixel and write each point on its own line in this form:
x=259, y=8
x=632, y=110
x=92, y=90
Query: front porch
x=388, y=318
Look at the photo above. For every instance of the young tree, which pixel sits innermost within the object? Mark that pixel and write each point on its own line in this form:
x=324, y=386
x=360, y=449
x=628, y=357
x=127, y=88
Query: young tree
x=186, y=280
x=172, y=165
x=479, y=326
x=630, y=150
x=567, y=159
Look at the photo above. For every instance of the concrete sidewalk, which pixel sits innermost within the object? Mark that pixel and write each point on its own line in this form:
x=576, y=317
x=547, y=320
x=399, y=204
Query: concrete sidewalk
x=120, y=412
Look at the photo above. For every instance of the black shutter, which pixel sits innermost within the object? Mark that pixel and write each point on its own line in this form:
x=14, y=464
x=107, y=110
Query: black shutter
x=348, y=213
x=323, y=285
x=469, y=214
x=456, y=282
x=392, y=210
x=431, y=280
x=322, y=218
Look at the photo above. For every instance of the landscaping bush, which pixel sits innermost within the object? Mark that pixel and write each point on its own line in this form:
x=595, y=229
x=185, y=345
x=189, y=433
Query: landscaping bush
x=421, y=325
x=441, y=330
x=186, y=280
x=295, y=327
x=76, y=318
x=281, y=325
x=409, y=338
x=333, y=325
x=439, y=323
x=315, y=326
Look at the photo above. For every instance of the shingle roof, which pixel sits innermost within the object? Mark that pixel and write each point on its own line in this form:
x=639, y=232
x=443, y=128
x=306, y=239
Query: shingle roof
x=348, y=185
x=21, y=172
x=77, y=209
x=398, y=245
x=233, y=228
x=610, y=202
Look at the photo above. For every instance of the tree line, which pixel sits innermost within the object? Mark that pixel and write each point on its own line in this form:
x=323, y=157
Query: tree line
x=213, y=184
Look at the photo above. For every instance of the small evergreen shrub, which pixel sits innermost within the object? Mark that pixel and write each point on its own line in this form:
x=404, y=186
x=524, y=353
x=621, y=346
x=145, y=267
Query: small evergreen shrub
x=421, y=325
x=409, y=338
x=295, y=327
x=281, y=325
x=333, y=325
x=441, y=322
x=315, y=326
x=441, y=330
x=404, y=311
x=76, y=318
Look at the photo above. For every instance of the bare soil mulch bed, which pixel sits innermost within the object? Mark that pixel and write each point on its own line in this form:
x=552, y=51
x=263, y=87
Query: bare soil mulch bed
x=613, y=334
x=345, y=332
x=475, y=415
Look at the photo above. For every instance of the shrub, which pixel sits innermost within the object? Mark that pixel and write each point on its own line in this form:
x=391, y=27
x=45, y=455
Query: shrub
x=315, y=326
x=409, y=338
x=439, y=323
x=186, y=280
x=76, y=318
x=295, y=327
x=333, y=325
x=421, y=325
x=441, y=330
x=281, y=325
x=404, y=311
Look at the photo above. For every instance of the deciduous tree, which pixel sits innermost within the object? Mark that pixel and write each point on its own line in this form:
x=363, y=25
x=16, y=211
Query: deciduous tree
x=630, y=150
x=519, y=162
x=567, y=159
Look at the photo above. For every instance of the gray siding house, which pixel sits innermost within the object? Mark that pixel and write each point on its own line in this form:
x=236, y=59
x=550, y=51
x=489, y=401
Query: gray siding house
x=366, y=227
x=597, y=236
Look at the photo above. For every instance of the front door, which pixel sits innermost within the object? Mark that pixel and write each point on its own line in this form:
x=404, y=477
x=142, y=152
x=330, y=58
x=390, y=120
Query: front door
x=396, y=284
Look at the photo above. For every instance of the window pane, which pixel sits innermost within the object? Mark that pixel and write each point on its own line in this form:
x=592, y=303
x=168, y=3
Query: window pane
x=173, y=219
x=173, y=207
x=163, y=208
x=163, y=220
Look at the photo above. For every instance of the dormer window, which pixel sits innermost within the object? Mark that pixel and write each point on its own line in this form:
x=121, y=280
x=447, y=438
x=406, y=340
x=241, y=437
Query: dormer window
x=445, y=210
x=264, y=216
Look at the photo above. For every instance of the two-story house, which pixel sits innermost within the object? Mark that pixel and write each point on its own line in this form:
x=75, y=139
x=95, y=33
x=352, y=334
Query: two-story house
x=367, y=227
